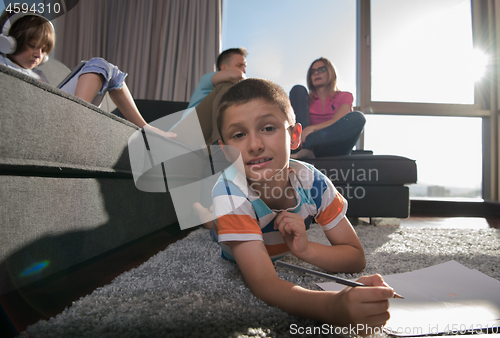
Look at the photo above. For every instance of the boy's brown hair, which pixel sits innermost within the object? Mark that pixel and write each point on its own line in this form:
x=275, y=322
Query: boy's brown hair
x=254, y=89
x=29, y=27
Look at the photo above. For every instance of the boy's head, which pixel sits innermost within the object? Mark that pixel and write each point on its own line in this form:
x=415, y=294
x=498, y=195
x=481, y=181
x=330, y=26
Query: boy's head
x=254, y=89
x=29, y=31
x=256, y=116
x=232, y=58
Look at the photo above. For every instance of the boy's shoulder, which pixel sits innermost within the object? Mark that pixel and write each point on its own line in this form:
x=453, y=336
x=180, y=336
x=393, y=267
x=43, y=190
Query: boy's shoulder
x=231, y=182
x=306, y=171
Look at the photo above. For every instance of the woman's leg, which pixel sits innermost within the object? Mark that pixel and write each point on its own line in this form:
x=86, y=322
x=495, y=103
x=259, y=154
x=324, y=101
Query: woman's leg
x=338, y=138
x=299, y=98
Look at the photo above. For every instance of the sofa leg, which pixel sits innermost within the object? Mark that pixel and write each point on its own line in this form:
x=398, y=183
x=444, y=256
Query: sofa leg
x=385, y=221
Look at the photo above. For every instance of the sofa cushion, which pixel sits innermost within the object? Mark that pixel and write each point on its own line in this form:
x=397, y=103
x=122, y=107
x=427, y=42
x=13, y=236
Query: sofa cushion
x=367, y=169
x=376, y=201
x=52, y=131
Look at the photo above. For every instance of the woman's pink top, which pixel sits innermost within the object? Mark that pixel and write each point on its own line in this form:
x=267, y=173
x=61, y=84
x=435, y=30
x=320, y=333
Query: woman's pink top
x=318, y=115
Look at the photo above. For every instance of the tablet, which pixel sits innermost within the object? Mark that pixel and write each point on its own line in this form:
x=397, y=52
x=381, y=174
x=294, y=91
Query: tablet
x=72, y=74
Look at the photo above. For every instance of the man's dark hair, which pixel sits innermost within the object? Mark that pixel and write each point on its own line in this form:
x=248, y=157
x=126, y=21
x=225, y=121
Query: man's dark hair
x=224, y=57
x=255, y=89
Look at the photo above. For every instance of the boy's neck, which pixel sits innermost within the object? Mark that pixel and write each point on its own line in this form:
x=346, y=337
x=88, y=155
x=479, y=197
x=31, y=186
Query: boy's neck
x=276, y=194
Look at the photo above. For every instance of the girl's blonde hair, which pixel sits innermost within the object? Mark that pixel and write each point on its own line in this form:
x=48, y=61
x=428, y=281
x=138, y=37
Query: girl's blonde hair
x=331, y=86
x=29, y=27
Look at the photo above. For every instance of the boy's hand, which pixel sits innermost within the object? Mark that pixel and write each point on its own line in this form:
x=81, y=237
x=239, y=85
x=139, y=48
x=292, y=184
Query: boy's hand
x=365, y=307
x=292, y=228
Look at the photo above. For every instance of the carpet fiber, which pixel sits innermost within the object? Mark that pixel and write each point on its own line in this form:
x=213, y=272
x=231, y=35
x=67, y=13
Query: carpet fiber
x=188, y=290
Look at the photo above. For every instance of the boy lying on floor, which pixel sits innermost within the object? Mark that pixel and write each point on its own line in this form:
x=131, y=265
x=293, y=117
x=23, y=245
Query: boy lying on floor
x=283, y=196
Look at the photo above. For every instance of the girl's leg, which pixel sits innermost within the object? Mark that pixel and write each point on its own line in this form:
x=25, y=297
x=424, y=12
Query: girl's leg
x=88, y=86
x=338, y=138
x=299, y=98
x=99, y=76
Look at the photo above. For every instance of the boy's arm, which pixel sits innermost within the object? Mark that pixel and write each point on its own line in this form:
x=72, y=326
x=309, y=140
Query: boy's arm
x=352, y=306
x=345, y=254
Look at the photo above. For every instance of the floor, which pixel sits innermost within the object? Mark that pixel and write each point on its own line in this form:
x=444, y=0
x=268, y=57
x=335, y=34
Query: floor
x=21, y=309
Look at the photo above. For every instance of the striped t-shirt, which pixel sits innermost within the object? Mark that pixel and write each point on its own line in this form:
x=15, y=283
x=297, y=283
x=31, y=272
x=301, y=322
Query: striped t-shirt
x=242, y=216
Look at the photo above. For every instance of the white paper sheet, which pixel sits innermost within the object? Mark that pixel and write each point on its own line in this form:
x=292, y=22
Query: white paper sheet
x=448, y=297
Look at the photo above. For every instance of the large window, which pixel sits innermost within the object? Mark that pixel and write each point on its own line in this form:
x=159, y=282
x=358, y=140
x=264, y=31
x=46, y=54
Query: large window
x=422, y=51
x=421, y=62
x=283, y=37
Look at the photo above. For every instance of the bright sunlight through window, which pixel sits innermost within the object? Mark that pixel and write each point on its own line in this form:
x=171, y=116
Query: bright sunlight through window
x=422, y=52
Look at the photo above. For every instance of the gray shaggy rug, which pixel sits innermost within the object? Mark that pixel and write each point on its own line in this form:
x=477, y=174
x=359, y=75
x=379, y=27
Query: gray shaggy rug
x=188, y=290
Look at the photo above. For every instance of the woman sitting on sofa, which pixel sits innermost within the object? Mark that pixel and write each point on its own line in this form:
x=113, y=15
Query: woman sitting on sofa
x=26, y=41
x=329, y=126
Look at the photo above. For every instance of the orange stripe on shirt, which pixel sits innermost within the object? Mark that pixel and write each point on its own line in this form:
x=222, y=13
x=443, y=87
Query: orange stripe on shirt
x=237, y=224
x=277, y=249
x=331, y=211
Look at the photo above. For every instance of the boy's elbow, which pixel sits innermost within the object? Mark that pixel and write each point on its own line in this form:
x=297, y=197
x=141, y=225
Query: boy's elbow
x=358, y=264
x=361, y=264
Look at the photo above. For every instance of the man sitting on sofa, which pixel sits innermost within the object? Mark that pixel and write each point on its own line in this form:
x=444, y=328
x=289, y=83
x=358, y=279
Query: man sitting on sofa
x=231, y=65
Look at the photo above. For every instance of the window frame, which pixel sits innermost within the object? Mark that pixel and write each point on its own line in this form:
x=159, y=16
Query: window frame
x=484, y=30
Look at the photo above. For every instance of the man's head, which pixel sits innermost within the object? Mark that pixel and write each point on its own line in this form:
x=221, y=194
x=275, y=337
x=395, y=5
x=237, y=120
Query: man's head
x=256, y=117
x=233, y=58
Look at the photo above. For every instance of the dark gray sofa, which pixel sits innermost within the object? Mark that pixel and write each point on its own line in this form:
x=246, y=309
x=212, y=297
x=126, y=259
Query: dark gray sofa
x=67, y=193
x=374, y=185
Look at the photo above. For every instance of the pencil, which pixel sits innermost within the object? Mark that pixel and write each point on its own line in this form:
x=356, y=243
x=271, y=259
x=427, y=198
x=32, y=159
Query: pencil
x=325, y=275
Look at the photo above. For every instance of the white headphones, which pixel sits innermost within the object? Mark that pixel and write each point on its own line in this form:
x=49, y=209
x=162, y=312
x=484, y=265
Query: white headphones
x=8, y=44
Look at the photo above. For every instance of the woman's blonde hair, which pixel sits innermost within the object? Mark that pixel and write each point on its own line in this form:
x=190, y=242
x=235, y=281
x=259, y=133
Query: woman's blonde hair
x=331, y=85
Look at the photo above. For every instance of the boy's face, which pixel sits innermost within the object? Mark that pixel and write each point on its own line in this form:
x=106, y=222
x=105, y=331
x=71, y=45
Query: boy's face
x=264, y=137
x=30, y=56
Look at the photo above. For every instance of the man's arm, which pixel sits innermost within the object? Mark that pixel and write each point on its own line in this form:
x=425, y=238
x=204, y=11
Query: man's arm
x=367, y=305
x=228, y=75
